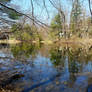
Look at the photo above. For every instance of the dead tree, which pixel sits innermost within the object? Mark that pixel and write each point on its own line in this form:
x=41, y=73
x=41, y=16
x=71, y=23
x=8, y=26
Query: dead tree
x=62, y=15
x=89, y=1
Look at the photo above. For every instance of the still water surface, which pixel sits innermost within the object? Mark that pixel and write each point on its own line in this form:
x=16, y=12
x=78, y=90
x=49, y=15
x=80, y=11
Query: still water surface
x=41, y=68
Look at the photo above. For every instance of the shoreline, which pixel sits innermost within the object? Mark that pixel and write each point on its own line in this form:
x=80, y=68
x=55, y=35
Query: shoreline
x=85, y=42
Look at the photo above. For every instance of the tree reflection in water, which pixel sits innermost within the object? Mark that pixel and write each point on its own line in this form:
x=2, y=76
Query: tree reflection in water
x=72, y=64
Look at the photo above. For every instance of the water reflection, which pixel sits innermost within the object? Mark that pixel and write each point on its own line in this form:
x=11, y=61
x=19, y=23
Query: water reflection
x=41, y=68
x=24, y=50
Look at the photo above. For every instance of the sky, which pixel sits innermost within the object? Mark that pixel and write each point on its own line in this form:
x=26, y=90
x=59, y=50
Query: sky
x=40, y=11
x=24, y=4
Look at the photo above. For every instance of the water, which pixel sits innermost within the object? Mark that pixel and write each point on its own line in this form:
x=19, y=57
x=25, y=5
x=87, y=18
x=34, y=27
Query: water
x=45, y=68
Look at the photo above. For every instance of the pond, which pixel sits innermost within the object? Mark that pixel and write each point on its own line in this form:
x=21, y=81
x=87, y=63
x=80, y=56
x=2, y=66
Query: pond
x=45, y=68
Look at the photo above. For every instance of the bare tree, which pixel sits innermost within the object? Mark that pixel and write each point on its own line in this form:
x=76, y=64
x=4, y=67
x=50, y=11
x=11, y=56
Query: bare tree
x=62, y=14
x=32, y=12
x=90, y=8
x=34, y=19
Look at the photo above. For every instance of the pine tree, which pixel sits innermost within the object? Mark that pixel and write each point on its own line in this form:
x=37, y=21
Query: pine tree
x=11, y=14
x=75, y=15
x=56, y=25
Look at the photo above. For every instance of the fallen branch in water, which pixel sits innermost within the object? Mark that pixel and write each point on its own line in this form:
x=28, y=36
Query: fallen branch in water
x=41, y=83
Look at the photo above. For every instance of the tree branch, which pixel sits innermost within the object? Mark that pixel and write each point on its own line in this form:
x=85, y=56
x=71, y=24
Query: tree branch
x=90, y=9
x=35, y=20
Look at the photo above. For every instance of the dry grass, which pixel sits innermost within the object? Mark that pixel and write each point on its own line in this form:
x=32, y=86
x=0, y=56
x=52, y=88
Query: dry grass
x=75, y=40
x=10, y=41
